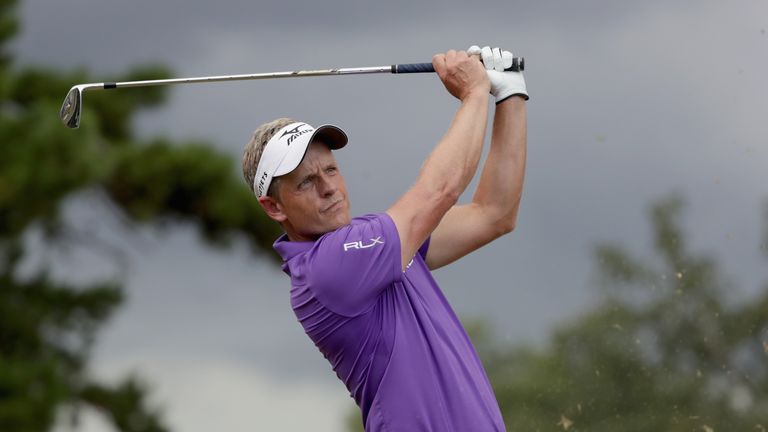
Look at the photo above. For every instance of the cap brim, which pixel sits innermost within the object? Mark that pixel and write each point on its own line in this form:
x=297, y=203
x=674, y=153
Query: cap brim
x=330, y=135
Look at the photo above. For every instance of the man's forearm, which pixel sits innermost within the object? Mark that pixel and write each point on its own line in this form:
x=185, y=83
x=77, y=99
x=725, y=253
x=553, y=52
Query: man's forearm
x=452, y=164
x=501, y=183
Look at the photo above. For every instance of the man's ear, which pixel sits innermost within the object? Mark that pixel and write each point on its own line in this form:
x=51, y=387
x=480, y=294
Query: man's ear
x=273, y=208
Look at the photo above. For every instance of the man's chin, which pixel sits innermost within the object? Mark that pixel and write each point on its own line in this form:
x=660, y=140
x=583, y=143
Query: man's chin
x=340, y=220
x=338, y=217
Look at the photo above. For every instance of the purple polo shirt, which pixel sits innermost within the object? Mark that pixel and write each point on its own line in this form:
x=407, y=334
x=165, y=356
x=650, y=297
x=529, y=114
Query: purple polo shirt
x=390, y=335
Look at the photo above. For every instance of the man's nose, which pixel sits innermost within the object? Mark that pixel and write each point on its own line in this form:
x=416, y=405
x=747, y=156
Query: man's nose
x=327, y=186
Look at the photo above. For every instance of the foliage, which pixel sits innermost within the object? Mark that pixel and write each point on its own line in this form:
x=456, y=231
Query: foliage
x=666, y=350
x=47, y=326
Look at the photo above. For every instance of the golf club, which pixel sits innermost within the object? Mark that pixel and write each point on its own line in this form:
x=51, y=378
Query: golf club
x=73, y=103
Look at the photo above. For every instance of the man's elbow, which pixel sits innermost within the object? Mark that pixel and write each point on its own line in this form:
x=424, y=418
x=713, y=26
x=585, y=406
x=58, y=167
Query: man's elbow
x=507, y=222
x=506, y=226
x=500, y=221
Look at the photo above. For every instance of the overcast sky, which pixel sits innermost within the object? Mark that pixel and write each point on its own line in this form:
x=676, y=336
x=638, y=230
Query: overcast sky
x=630, y=101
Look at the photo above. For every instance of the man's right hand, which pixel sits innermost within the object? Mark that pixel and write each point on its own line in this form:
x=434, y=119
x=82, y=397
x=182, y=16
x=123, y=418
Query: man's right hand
x=461, y=74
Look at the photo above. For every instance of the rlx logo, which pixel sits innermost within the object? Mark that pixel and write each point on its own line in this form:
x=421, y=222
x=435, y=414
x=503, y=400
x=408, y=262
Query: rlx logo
x=361, y=245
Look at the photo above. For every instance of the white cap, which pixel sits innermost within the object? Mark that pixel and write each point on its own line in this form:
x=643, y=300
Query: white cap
x=286, y=149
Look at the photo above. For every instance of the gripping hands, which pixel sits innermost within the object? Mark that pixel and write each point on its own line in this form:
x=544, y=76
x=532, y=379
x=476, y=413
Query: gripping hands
x=462, y=75
x=503, y=84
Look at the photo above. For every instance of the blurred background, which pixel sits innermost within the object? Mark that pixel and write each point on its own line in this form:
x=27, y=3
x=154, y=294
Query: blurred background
x=139, y=291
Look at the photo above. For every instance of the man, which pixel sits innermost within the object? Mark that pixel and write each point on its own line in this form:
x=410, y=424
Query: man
x=362, y=288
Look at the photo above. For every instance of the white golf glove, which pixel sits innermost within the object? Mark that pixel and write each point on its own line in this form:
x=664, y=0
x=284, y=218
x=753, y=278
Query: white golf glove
x=503, y=84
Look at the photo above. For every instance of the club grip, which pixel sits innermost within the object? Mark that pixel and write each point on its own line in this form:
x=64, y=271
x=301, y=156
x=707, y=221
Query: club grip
x=518, y=64
x=412, y=68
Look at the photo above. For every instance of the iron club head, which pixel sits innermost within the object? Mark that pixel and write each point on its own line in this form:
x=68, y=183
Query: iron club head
x=72, y=107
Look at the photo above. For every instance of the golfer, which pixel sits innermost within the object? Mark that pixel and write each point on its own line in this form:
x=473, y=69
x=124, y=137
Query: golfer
x=362, y=288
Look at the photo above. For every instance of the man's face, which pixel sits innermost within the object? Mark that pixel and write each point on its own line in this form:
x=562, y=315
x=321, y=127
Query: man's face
x=312, y=199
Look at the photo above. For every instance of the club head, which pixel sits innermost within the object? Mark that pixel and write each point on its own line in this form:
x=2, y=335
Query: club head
x=71, y=108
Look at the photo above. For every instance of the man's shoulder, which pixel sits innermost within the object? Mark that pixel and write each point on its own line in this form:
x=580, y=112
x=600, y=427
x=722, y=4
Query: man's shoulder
x=367, y=218
x=348, y=267
x=362, y=232
x=367, y=224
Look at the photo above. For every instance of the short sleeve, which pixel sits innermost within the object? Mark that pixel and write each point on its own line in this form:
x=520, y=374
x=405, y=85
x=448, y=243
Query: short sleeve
x=349, y=267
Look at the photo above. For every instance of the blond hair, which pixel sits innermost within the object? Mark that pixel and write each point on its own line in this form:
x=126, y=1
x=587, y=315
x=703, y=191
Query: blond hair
x=255, y=147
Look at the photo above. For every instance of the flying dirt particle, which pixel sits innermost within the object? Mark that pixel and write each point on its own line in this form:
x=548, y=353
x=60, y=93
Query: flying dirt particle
x=565, y=422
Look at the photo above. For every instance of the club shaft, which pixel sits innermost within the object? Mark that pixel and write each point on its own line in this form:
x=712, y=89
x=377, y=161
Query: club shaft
x=518, y=64
x=73, y=103
x=268, y=75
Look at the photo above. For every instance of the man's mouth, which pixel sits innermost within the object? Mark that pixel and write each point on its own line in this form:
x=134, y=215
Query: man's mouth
x=332, y=207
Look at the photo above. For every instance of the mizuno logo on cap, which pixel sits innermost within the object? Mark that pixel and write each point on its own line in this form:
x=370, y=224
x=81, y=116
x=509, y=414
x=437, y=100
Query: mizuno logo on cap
x=262, y=180
x=295, y=133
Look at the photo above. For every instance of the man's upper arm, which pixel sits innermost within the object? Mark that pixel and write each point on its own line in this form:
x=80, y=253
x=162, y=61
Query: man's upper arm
x=464, y=229
x=416, y=215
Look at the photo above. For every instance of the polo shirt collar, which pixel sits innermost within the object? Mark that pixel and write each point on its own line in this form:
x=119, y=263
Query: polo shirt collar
x=289, y=249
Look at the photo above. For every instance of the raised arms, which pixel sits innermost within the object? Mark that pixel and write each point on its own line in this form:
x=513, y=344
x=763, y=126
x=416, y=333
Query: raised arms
x=452, y=164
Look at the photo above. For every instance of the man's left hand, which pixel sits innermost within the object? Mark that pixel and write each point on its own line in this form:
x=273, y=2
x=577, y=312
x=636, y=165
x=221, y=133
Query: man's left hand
x=504, y=84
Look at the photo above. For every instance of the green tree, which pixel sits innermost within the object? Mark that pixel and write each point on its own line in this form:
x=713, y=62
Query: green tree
x=667, y=349
x=48, y=326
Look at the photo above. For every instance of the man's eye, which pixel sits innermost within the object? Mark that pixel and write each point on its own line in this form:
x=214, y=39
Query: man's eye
x=330, y=170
